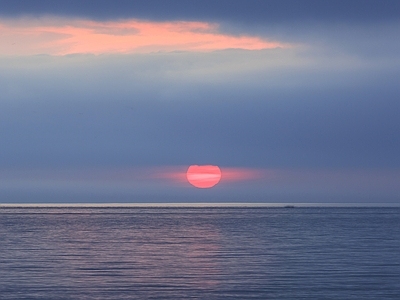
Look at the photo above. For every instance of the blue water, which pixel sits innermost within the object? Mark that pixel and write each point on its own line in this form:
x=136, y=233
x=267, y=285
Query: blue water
x=199, y=253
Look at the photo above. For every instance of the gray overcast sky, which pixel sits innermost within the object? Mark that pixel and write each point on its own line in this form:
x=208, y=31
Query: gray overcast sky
x=326, y=102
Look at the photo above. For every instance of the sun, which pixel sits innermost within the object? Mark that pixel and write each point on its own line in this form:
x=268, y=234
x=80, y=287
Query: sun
x=203, y=176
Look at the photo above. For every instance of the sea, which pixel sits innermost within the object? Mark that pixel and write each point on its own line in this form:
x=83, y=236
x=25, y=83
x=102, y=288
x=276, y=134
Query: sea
x=199, y=252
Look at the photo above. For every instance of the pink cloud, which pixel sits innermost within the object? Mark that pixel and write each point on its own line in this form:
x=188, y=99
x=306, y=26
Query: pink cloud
x=384, y=181
x=61, y=37
x=178, y=174
x=243, y=174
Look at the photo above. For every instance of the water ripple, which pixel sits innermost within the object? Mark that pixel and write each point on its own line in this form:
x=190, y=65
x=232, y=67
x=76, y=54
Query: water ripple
x=202, y=253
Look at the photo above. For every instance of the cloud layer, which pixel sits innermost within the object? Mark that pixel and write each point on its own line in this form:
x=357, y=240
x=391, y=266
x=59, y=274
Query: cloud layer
x=270, y=108
x=69, y=36
x=234, y=11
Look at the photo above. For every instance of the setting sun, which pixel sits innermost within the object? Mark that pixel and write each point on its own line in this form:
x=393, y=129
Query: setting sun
x=203, y=176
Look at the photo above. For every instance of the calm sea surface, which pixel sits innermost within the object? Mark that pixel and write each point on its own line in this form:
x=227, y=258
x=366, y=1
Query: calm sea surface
x=200, y=253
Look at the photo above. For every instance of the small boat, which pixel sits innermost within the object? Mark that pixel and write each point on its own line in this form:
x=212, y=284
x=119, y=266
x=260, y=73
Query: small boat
x=288, y=206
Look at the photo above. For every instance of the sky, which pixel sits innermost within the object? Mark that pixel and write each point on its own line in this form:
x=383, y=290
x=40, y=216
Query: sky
x=112, y=101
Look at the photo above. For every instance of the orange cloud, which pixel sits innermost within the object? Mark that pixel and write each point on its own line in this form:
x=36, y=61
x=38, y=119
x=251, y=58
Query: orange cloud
x=61, y=37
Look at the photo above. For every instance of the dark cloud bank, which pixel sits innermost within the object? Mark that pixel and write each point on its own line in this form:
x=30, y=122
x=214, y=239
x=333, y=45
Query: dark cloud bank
x=251, y=11
x=138, y=110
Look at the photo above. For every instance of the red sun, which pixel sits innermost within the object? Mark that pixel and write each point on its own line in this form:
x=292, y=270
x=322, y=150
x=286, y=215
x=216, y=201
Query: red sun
x=203, y=176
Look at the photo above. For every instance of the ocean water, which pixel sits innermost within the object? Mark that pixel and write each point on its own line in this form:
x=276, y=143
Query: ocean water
x=199, y=253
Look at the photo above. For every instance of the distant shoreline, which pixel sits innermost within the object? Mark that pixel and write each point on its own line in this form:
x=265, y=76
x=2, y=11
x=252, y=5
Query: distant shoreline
x=197, y=205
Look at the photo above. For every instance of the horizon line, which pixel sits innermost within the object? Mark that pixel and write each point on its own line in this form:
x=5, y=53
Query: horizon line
x=198, y=205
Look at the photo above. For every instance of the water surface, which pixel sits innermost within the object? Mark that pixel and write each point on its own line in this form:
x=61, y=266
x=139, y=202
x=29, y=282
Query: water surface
x=199, y=252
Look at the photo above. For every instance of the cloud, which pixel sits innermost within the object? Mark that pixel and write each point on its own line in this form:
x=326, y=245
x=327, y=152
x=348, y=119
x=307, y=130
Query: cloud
x=168, y=184
x=229, y=174
x=61, y=37
x=234, y=11
x=270, y=108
